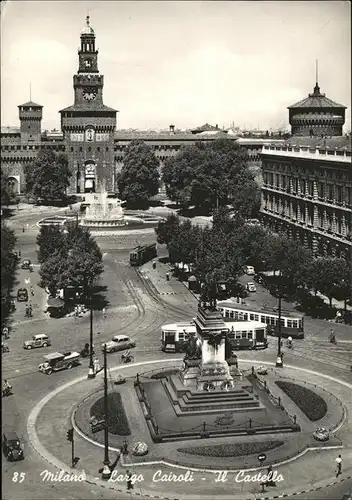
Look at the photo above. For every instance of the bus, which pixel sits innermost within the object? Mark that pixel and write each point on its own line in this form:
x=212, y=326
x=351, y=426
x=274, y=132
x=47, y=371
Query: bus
x=292, y=325
x=242, y=335
x=142, y=254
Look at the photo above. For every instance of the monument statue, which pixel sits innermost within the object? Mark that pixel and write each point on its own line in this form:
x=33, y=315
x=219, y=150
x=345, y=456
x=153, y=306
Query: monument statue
x=193, y=349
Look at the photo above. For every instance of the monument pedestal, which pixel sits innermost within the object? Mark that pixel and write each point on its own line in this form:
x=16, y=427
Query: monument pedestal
x=190, y=372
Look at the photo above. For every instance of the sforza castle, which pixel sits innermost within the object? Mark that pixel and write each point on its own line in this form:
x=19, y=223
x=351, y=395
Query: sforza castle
x=95, y=147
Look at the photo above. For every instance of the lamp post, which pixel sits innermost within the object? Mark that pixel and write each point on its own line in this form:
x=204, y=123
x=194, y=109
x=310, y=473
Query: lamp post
x=279, y=362
x=106, y=469
x=91, y=373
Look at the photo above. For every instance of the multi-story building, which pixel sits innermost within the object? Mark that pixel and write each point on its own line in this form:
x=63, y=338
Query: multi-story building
x=88, y=136
x=307, y=192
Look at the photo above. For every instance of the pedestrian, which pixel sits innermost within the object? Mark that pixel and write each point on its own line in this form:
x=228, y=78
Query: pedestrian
x=129, y=481
x=30, y=309
x=104, y=313
x=338, y=466
x=27, y=311
x=32, y=291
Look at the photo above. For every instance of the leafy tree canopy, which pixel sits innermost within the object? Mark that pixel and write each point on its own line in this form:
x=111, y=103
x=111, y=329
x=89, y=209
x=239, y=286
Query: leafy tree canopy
x=48, y=176
x=207, y=175
x=165, y=230
x=139, y=178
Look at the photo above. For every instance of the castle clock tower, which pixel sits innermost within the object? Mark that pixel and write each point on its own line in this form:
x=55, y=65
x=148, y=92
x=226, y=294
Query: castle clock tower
x=88, y=126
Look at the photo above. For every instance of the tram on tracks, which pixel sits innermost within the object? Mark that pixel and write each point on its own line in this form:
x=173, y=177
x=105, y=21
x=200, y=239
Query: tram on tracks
x=242, y=335
x=142, y=254
x=292, y=324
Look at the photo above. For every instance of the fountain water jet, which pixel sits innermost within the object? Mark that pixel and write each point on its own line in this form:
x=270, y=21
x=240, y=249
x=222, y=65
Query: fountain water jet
x=103, y=212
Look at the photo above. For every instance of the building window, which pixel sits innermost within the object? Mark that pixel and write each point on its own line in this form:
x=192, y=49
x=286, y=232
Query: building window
x=302, y=183
x=277, y=180
x=283, y=182
x=330, y=192
x=107, y=149
x=98, y=148
x=71, y=150
x=321, y=190
x=81, y=149
x=338, y=194
x=310, y=188
x=89, y=149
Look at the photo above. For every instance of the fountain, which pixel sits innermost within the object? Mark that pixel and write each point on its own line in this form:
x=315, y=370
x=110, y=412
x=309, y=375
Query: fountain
x=103, y=212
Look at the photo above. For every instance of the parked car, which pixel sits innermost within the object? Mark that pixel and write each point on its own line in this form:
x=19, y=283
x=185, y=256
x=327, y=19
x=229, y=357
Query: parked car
x=56, y=361
x=119, y=343
x=249, y=270
x=251, y=287
x=26, y=264
x=40, y=340
x=22, y=295
x=12, y=448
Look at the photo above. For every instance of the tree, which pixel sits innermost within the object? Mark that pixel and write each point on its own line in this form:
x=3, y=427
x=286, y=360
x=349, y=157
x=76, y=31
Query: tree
x=5, y=191
x=205, y=174
x=139, y=178
x=8, y=266
x=184, y=244
x=330, y=277
x=166, y=230
x=48, y=176
x=50, y=240
x=71, y=258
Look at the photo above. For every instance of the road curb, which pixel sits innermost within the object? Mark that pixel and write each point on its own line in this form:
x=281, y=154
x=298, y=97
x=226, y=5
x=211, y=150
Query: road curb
x=49, y=458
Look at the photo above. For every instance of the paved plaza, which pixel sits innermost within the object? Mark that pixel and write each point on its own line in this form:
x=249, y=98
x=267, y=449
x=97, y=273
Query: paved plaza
x=42, y=407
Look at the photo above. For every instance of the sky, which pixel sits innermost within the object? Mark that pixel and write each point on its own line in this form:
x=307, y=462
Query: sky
x=183, y=63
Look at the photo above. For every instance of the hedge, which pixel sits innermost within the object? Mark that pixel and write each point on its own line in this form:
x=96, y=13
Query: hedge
x=117, y=421
x=232, y=449
x=312, y=405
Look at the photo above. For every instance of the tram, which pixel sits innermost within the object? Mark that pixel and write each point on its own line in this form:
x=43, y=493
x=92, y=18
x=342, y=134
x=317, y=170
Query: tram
x=292, y=325
x=242, y=335
x=142, y=254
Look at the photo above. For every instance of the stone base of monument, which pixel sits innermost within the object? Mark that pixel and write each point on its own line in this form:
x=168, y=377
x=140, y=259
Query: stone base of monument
x=208, y=395
x=190, y=372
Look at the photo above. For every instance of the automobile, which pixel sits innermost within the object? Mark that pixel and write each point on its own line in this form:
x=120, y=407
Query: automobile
x=262, y=370
x=249, y=270
x=119, y=380
x=321, y=434
x=40, y=340
x=22, y=295
x=347, y=495
x=119, y=343
x=12, y=447
x=57, y=361
x=251, y=287
x=26, y=264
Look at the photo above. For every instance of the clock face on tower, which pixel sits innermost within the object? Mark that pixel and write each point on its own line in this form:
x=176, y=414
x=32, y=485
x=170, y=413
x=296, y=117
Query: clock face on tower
x=90, y=94
x=88, y=63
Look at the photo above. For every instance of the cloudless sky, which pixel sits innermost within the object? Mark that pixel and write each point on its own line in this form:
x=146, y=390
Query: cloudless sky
x=184, y=63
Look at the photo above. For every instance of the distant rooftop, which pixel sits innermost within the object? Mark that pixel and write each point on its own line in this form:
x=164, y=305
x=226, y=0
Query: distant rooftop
x=10, y=130
x=30, y=104
x=316, y=100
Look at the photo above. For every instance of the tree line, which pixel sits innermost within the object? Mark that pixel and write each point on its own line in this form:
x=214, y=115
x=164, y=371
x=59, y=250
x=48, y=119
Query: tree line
x=206, y=175
x=219, y=253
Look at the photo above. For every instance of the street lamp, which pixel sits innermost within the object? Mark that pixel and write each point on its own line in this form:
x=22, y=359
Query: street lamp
x=91, y=372
x=106, y=469
x=279, y=362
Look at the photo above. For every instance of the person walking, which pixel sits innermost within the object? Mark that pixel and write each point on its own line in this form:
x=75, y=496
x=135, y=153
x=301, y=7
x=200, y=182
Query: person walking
x=104, y=313
x=129, y=481
x=338, y=466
